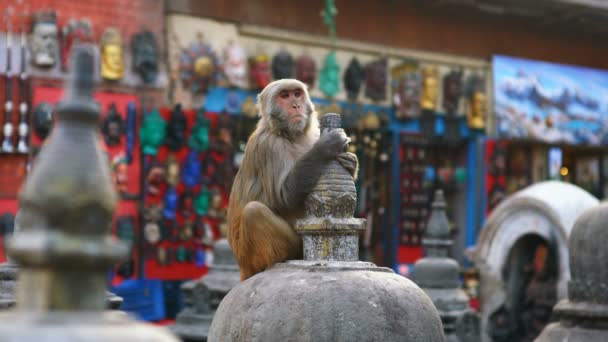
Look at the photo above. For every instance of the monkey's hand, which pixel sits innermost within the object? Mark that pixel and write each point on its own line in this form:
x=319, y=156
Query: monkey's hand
x=332, y=143
x=350, y=162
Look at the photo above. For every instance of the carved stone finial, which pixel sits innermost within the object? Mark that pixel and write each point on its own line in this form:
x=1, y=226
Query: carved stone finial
x=329, y=230
x=63, y=246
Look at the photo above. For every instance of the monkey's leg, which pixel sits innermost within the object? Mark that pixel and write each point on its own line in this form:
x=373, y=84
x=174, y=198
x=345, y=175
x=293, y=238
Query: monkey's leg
x=265, y=239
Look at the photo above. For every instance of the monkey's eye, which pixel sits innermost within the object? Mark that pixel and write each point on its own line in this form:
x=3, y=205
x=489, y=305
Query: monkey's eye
x=297, y=93
x=284, y=94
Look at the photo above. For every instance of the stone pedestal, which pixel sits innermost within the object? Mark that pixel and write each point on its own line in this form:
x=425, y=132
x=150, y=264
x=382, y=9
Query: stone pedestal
x=328, y=296
x=202, y=296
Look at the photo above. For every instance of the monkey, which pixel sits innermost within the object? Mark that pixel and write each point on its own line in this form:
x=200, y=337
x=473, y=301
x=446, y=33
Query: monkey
x=283, y=160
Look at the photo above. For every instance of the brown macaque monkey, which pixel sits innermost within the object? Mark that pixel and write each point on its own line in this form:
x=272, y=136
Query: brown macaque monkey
x=283, y=161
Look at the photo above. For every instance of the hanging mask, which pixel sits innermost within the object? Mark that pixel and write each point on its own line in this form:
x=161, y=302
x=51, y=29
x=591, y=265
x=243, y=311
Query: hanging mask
x=125, y=229
x=161, y=256
x=199, y=137
x=233, y=103
x=191, y=170
x=187, y=230
x=249, y=108
x=452, y=90
x=144, y=51
x=112, y=61
x=176, y=129
x=186, y=204
x=353, y=78
x=43, y=119
x=151, y=233
x=152, y=132
x=44, y=39
x=260, y=71
x=120, y=173
x=329, y=81
x=153, y=213
x=306, y=70
x=375, y=79
x=172, y=171
x=430, y=88
x=113, y=127
x=282, y=65
x=171, y=200
x=234, y=66
x=476, y=102
x=74, y=32
x=155, y=178
x=406, y=90
x=198, y=67
x=202, y=202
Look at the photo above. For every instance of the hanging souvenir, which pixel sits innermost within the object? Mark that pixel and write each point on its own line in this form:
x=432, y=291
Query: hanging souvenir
x=452, y=90
x=215, y=209
x=202, y=201
x=45, y=39
x=198, y=66
x=175, y=138
x=155, y=178
x=223, y=138
x=120, y=173
x=199, y=136
x=406, y=84
x=430, y=88
x=191, y=170
x=172, y=170
x=43, y=119
x=282, y=65
x=260, y=71
x=170, y=204
x=375, y=79
x=306, y=70
x=152, y=232
x=233, y=103
x=353, y=78
x=113, y=127
x=125, y=229
x=152, y=132
x=145, y=55
x=131, y=126
x=476, y=102
x=234, y=65
x=249, y=108
x=329, y=80
x=73, y=33
x=112, y=60
x=186, y=205
x=24, y=120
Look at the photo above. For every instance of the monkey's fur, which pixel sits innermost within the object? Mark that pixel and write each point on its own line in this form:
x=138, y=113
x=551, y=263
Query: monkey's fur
x=281, y=164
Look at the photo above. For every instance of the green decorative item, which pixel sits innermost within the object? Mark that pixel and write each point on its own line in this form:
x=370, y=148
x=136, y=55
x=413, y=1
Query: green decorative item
x=199, y=138
x=152, y=132
x=460, y=174
x=181, y=254
x=202, y=202
x=329, y=80
x=329, y=14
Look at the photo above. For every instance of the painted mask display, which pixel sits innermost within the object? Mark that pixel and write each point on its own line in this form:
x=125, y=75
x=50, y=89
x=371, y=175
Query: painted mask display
x=74, y=32
x=113, y=127
x=375, y=79
x=145, y=54
x=306, y=70
x=234, y=65
x=452, y=90
x=353, y=78
x=329, y=79
x=112, y=60
x=44, y=39
x=176, y=129
x=198, y=67
x=406, y=85
x=282, y=65
x=260, y=71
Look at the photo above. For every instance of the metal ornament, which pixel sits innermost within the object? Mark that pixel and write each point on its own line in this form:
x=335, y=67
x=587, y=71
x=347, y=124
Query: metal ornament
x=23, y=144
x=145, y=54
x=7, y=130
x=44, y=39
x=198, y=67
x=112, y=60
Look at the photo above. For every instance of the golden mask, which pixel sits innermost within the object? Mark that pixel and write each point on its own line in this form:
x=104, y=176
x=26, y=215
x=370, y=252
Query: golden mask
x=430, y=88
x=476, y=113
x=112, y=62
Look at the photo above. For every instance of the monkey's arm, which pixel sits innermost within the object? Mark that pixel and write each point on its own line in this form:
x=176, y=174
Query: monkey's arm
x=302, y=177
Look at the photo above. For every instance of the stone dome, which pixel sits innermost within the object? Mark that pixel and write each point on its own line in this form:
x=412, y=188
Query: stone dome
x=326, y=301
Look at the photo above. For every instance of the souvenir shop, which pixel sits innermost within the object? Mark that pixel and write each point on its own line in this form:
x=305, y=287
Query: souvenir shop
x=174, y=131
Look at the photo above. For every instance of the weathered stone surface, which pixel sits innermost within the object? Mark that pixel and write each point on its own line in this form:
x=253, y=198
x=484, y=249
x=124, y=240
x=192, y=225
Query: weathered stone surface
x=584, y=315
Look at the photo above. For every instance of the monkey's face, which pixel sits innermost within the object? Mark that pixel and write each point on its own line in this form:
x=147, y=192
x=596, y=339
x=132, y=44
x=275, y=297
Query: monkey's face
x=292, y=108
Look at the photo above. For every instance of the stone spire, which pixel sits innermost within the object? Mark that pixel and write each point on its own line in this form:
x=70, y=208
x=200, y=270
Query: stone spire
x=63, y=246
x=584, y=315
x=439, y=276
x=330, y=295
